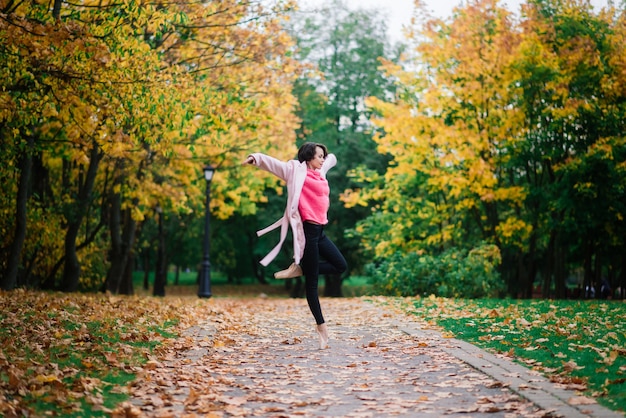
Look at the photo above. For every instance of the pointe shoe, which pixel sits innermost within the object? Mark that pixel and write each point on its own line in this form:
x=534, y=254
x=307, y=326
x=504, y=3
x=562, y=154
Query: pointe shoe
x=322, y=332
x=293, y=270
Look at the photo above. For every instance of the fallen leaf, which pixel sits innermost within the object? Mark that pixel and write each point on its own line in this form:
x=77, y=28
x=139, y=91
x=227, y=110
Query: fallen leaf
x=581, y=400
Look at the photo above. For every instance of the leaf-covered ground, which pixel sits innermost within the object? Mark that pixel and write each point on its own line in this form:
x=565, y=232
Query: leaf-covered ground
x=580, y=344
x=65, y=354
x=259, y=357
x=99, y=355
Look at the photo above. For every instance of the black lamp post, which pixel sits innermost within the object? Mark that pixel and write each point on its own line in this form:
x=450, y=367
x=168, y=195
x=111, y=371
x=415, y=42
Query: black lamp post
x=205, y=276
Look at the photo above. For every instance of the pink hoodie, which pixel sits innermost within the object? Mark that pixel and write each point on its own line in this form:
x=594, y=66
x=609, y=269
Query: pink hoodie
x=294, y=173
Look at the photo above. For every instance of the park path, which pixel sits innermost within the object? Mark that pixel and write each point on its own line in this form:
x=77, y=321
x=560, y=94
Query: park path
x=259, y=358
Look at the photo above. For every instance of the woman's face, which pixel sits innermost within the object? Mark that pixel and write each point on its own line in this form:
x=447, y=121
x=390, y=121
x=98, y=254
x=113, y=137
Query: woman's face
x=317, y=160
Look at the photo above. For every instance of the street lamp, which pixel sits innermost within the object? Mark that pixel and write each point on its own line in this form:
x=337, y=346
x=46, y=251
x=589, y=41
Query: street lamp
x=205, y=276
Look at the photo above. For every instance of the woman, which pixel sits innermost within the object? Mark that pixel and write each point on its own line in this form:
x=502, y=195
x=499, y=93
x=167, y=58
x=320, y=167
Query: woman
x=306, y=212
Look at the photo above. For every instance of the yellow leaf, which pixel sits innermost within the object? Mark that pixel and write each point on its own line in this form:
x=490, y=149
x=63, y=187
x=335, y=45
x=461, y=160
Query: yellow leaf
x=46, y=378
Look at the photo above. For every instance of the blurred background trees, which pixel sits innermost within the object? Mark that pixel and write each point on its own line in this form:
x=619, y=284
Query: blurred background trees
x=484, y=158
x=507, y=141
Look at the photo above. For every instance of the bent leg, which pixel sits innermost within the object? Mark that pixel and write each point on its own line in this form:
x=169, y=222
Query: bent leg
x=334, y=262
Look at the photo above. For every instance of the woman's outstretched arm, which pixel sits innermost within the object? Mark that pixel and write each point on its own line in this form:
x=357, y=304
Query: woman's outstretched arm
x=279, y=168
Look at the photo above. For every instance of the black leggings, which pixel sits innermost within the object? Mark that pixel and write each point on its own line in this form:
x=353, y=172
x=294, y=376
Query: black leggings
x=319, y=247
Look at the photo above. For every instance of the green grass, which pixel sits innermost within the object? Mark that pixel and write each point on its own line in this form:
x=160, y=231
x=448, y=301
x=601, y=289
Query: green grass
x=570, y=341
x=353, y=286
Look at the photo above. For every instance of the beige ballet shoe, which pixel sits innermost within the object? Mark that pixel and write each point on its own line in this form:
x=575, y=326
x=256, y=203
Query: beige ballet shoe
x=293, y=270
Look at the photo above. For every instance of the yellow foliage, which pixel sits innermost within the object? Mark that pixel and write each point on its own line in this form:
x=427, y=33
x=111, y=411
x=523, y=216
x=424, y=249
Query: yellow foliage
x=157, y=92
x=449, y=127
x=514, y=231
x=353, y=197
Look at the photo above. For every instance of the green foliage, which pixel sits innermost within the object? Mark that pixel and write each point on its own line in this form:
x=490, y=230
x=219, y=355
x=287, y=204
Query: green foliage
x=570, y=341
x=453, y=273
x=509, y=132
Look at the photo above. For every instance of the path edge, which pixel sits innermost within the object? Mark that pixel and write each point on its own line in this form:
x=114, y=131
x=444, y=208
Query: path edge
x=526, y=383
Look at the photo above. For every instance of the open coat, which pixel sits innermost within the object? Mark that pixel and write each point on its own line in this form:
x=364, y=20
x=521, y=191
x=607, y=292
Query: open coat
x=293, y=173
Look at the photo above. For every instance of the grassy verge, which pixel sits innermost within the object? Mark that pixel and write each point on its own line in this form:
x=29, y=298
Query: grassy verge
x=581, y=344
x=72, y=354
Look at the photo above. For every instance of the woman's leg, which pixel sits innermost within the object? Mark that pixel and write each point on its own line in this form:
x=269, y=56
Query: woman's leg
x=311, y=267
x=333, y=261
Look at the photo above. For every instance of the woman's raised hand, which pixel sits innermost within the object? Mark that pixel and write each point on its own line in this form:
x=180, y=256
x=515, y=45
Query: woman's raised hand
x=249, y=160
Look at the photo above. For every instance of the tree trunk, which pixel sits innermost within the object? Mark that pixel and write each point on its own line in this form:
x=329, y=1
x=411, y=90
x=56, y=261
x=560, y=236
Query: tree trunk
x=522, y=278
x=116, y=253
x=160, y=277
x=122, y=241
x=511, y=276
x=71, y=269
x=588, y=285
x=622, y=280
x=597, y=269
x=258, y=269
x=530, y=266
x=551, y=265
x=9, y=279
x=129, y=232
x=560, y=270
x=146, y=269
x=56, y=9
x=126, y=284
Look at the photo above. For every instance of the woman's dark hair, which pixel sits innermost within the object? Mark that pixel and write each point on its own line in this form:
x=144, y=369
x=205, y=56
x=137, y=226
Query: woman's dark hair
x=307, y=151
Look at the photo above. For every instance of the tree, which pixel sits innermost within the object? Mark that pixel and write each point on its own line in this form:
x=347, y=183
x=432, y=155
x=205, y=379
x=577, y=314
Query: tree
x=444, y=138
x=345, y=49
x=505, y=135
x=574, y=119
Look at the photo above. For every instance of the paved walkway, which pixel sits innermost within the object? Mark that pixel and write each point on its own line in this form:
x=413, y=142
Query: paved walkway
x=259, y=358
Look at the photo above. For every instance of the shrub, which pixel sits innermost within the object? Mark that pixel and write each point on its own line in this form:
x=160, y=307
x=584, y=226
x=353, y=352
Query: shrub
x=453, y=273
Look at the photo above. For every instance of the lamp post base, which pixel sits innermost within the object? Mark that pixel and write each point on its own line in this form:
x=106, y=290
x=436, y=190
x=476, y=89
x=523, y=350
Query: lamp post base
x=205, y=281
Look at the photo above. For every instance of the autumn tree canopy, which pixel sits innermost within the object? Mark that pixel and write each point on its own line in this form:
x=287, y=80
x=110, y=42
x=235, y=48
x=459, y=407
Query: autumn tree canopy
x=507, y=141
x=110, y=110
